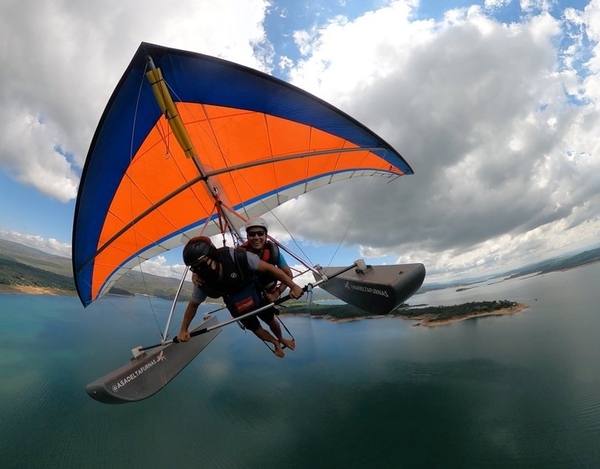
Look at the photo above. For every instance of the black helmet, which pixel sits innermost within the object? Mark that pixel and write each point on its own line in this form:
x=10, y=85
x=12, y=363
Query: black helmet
x=196, y=249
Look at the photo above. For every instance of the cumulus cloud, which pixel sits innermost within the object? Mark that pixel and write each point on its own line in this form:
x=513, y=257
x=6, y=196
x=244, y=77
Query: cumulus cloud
x=161, y=267
x=49, y=245
x=60, y=64
x=498, y=119
x=499, y=127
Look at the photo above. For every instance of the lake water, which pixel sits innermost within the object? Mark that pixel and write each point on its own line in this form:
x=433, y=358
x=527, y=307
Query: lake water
x=519, y=391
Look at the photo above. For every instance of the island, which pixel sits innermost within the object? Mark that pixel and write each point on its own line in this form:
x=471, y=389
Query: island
x=427, y=316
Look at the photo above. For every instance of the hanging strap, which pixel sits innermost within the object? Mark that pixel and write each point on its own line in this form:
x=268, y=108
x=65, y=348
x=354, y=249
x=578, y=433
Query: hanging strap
x=272, y=349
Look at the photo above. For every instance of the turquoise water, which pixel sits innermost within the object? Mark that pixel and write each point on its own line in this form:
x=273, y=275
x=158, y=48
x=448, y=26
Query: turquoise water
x=517, y=391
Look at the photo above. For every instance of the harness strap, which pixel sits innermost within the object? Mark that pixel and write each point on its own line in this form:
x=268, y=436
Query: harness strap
x=285, y=327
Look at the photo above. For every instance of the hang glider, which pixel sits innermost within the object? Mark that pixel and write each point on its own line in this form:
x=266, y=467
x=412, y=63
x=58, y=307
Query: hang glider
x=190, y=142
x=260, y=141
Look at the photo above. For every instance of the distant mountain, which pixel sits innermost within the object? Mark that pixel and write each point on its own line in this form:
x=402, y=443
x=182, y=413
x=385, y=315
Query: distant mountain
x=24, y=266
x=559, y=263
x=15, y=274
x=22, y=254
x=555, y=264
x=153, y=285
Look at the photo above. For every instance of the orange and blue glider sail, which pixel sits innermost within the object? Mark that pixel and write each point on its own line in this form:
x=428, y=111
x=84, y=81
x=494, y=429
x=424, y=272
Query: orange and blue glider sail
x=257, y=140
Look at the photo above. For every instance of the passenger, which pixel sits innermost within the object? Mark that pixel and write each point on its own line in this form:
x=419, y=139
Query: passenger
x=232, y=274
x=266, y=250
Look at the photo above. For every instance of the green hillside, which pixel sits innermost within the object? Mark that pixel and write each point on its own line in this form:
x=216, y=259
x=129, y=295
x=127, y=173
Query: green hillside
x=22, y=254
x=13, y=273
x=23, y=266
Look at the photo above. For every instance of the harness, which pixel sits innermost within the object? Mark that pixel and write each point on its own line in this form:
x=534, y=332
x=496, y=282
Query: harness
x=270, y=252
x=237, y=284
x=235, y=273
x=241, y=288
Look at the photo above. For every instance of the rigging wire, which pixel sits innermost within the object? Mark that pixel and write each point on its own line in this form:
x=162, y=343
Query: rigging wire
x=352, y=220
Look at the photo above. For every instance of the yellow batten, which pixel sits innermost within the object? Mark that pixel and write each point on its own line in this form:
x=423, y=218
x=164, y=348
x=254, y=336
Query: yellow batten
x=169, y=109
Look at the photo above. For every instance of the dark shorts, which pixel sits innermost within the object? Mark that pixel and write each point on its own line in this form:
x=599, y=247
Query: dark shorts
x=252, y=323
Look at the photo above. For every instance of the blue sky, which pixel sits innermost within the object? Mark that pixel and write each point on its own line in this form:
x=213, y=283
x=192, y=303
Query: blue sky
x=494, y=104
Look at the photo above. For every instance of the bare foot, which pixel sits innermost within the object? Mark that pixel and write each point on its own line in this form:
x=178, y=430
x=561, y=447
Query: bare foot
x=289, y=343
x=278, y=351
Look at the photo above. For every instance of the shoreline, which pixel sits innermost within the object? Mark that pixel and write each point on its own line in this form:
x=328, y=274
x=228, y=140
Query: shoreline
x=425, y=319
x=430, y=320
x=31, y=290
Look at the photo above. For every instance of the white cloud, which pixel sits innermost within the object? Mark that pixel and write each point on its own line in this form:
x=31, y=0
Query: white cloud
x=536, y=5
x=496, y=3
x=60, y=64
x=29, y=152
x=506, y=162
x=499, y=120
x=159, y=266
x=49, y=245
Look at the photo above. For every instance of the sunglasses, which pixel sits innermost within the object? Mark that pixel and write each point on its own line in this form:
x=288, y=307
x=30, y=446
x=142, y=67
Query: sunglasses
x=197, y=267
x=252, y=234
